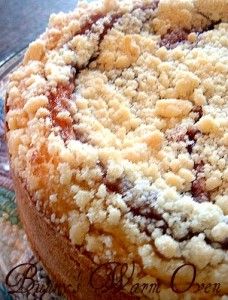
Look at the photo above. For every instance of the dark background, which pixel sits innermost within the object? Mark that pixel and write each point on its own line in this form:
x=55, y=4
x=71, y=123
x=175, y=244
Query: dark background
x=21, y=21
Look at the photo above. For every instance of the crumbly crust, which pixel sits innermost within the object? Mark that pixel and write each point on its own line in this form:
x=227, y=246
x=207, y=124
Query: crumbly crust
x=118, y=124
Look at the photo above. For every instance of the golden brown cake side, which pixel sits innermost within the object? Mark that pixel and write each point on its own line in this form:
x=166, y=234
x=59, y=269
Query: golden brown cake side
x=66, y=265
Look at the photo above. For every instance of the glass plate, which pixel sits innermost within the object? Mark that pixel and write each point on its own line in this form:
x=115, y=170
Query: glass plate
x=21, y=275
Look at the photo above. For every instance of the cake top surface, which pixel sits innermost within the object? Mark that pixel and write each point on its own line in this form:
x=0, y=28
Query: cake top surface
x=118, y=126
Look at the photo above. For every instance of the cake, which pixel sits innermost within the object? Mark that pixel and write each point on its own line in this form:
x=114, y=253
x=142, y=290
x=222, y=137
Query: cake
x=117, y=129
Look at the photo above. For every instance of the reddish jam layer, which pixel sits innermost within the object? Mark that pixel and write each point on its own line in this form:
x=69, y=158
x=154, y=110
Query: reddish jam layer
x=108, y=26
x=59, y=102
x=192, y=131
x=92, y=20
x=199, y=111
x=174, y=37
x=224, y=244
x=146, y=211
x=191, y=134
x=198, y=188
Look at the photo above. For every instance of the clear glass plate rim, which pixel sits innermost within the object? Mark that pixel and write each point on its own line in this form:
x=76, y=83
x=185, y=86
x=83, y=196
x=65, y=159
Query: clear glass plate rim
x=11, y=63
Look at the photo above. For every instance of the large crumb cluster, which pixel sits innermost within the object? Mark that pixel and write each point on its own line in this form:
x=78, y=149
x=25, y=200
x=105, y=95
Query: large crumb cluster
x=118, y=126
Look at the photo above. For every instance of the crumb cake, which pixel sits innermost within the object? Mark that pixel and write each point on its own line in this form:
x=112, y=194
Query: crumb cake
x=117, y=128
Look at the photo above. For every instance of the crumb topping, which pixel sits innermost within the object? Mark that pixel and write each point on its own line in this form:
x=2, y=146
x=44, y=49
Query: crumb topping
x=118, y=125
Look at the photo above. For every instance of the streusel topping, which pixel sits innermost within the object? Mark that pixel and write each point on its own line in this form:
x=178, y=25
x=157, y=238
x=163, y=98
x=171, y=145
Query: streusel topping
x=118, y=125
